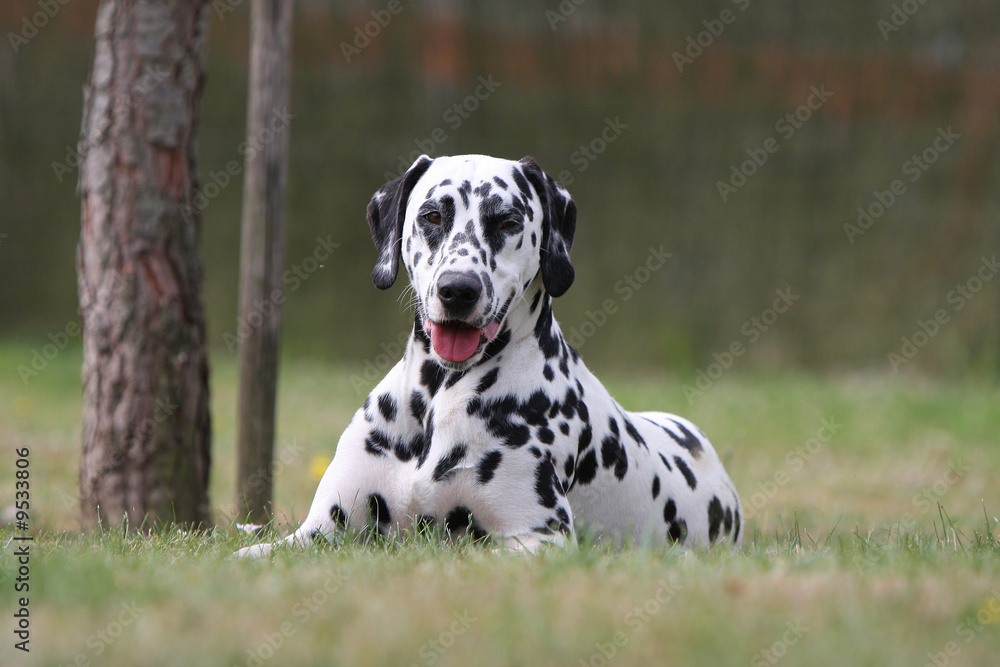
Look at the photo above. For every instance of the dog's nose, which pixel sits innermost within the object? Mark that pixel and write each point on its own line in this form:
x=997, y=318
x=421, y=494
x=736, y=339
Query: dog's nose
x=459, y=293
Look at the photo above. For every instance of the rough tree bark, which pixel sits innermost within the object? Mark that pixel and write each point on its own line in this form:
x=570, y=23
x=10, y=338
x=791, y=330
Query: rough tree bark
x=146, y=428
x=261, y=255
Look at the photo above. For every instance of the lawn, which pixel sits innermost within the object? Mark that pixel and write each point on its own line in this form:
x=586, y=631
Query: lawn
x=871, y=505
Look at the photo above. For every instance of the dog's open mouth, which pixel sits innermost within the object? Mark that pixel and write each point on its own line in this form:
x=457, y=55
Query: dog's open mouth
x=458, y=341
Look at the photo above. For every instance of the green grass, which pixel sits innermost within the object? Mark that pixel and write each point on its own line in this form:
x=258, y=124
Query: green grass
x=867, y=551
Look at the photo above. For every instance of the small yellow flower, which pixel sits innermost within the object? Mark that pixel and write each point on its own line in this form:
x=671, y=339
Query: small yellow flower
x=989, y=611
x=317, y=467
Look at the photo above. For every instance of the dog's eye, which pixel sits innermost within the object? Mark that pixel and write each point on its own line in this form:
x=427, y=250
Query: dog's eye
x=433, y=217
x=510, y=225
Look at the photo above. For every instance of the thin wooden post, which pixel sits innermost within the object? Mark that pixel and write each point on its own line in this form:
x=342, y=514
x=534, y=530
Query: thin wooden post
x=262, y=249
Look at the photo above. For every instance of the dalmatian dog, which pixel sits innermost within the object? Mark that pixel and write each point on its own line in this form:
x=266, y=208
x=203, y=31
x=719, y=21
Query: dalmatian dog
x=491, y=424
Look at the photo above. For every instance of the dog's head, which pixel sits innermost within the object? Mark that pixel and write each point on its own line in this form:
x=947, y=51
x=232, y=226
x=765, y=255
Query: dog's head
x=474, y=232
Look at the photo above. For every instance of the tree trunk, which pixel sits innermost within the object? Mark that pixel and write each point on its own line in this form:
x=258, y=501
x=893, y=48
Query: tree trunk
x=146, y=427
x=261, y=255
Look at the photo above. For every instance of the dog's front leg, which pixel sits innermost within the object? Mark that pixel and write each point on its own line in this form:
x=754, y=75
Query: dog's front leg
x=362, y=489
x=535, y=510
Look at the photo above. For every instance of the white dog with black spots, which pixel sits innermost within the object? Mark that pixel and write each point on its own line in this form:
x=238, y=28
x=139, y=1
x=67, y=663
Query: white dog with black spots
x=491, y=423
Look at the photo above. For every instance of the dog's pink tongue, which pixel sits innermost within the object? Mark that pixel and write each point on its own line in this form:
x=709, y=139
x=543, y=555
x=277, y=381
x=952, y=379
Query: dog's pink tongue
x=454, y=341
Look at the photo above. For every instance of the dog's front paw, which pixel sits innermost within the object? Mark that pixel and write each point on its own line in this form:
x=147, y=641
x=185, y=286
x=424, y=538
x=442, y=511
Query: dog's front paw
x=532, y=543
x=254, y=551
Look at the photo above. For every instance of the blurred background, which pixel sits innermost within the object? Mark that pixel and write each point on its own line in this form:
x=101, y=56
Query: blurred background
x=741, y=137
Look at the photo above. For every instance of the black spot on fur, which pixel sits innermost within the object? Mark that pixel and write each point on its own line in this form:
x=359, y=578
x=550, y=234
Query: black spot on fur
x=676, y=528
x=453, y=378
x=521, y=182
x=428, y=438
x=547, y=483
x=715, y=516
x=586, y=436
x=534, y=302
x=678, y=531
x=546, y=436
x=496, y=346
x=431, y=376
x=377, y=443
x=548, y=343
x=633, y=433
x=689, y=441
x=688, y=475
x=402, y=450
x=669, y=510
x=378, y=509
x=663, y=458
x=460, y=518
x=488, y=465
x=338, y=516
x=736, y=526
x=656, y=486
x=499, y=181
x=418, y=447
x=492, y=215
x=448, y=462
x=570, y=403
x=586, y=469
x=516, y=435
x=613, y=454
x=552, y=526
x=472, y=237
x=727, y=521
x=464, y=189
x=533, y=410
x=568, y=466
x=501, y=407
x=417, y=406
x=564, y=428
x=387, y=406
x=420, y=335
x=547, y=373
x=488, y=381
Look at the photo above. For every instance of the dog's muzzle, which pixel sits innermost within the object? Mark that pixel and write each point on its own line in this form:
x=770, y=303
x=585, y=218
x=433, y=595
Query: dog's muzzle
x=457, y=338
x=459, y=292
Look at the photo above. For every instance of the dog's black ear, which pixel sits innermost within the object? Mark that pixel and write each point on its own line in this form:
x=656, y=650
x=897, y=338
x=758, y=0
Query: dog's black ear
x=558, y=227
x=386, y=211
